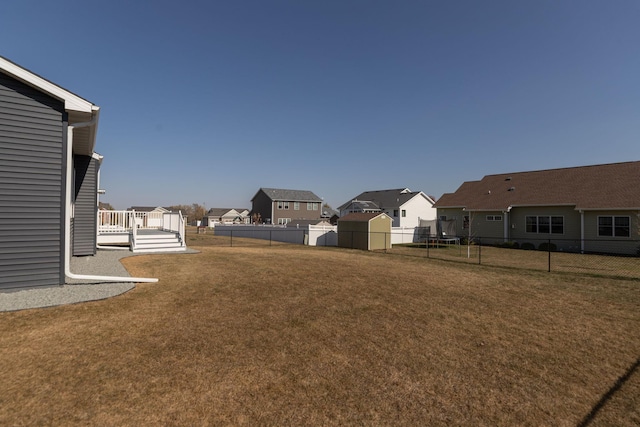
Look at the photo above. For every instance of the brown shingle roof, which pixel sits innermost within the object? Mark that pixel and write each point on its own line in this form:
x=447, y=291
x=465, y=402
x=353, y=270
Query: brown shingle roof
x=609, y=186
x=360, y=216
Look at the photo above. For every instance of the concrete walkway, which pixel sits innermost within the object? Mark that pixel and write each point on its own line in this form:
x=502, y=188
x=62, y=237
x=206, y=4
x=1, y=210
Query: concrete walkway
x=104, y=263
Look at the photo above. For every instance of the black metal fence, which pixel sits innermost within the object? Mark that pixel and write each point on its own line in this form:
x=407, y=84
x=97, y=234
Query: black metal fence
x=612, y=258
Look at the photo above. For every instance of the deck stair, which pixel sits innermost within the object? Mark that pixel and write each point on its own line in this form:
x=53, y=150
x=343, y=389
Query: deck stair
x=158, y=241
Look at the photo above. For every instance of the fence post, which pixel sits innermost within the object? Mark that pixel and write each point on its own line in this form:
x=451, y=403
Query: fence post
x=427, y=244
x=479, y=251
x=549, y=256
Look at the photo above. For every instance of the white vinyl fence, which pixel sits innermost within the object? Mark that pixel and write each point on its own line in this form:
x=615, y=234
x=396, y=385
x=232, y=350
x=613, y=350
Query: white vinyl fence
x=313, y=235
x=400, y=235
x=323, y=235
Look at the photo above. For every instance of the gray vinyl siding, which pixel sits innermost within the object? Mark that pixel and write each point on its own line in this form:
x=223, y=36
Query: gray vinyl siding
x=86, y=209
x=31, y=187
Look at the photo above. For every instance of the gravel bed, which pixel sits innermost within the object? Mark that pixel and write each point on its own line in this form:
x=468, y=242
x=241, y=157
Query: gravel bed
x=104, y=263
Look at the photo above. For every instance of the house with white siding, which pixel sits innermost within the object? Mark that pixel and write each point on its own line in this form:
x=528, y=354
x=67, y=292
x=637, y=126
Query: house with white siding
x=405, y=207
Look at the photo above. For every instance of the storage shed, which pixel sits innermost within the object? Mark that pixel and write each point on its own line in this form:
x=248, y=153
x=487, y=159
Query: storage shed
x=366, y=231
x=49, y=177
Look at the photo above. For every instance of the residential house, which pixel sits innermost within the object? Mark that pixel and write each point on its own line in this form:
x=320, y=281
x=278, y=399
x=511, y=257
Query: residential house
x=280, y=206
x=405, y=207
x=149, y=216
x=49, y=177
x=225, y=216
x=583, y=209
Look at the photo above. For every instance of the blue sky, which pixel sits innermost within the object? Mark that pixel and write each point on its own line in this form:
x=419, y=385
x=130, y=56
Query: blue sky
x=207, y=101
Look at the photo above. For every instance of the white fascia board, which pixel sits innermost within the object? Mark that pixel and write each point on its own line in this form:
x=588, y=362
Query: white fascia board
x=71, y=101
x=420, y=193
x=426, y=196
x=608, y=209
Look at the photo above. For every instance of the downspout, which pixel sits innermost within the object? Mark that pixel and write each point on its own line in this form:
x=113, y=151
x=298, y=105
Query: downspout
x=581, y=231
x=507, y=224
x=67, y=216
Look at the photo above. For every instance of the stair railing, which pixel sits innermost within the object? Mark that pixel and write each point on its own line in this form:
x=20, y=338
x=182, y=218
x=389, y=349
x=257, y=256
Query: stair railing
x=174, y=222
x=134, y=228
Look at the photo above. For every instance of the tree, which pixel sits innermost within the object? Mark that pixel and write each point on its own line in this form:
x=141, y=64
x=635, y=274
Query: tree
x=467, y=221
x=105, y=206
x=194, y=212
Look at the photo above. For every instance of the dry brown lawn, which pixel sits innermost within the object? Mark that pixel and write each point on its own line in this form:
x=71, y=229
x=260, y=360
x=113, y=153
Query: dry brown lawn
x=293, y=335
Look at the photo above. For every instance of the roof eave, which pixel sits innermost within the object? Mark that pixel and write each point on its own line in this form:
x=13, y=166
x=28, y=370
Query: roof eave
x=72, y=102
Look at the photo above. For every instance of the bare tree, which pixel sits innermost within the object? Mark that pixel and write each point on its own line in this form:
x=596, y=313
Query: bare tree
x=467, y=224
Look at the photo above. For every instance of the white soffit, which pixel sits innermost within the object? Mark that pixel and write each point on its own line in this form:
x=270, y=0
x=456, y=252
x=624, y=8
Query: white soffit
x=71, y=101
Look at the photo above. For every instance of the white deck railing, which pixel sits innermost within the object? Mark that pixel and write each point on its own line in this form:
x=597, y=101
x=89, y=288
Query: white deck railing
x=129, y=222
x=114, y=221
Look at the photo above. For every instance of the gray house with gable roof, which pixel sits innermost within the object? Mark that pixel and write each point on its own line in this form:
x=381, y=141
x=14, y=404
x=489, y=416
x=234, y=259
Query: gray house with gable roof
x=49, y=175
x=281, y=206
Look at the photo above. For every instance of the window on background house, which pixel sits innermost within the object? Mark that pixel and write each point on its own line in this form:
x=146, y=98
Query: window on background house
x=286, y=205
x=544, y=224
x=614, y=226
x=465, y=222
x=284, y=221
x=280, y=205
x=309, y=206
x=296, y=206
x=404, y=213
x=395, y=212
x=621, y=226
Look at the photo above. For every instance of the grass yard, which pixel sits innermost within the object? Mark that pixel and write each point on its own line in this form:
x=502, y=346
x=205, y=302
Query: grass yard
x=295, y=335
x=598, y=265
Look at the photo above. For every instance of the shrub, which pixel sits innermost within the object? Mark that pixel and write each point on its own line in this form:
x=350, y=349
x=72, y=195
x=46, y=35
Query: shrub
x=547, y=247
x=510, y=245
x=527, y=246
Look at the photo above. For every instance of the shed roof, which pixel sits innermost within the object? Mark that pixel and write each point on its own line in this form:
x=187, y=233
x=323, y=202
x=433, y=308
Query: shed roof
x=606, y=186
x=362, y=216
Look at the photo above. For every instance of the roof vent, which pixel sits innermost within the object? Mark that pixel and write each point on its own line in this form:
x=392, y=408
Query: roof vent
x=512, y=189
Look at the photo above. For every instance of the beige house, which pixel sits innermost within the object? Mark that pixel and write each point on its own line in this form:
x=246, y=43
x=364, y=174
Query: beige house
x=366, y=231
x=581, y=209
x=225, y=216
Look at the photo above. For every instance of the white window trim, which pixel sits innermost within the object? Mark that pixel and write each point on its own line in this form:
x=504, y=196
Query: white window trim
x=613, y=226
x=550, y=217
